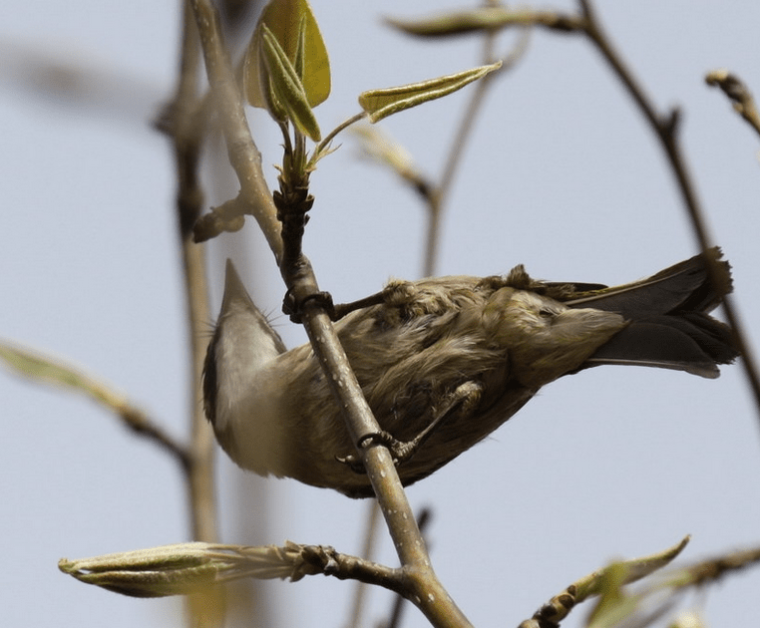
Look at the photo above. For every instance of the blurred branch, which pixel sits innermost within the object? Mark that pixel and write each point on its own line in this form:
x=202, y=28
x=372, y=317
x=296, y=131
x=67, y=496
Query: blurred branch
x=73, y=81
x=737, y=91
x=386, y=151
x=492, y=17
x=45, y=369
x=185, y=121
x=666, y=128
x=438, y=195
x=368, y=551
x=618, y=607
x=182, y=125
x=487, y=20
x=714, y=569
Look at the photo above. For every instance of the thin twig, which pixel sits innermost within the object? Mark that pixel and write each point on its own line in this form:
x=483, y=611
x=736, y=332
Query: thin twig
x=182, y=123
x=438, y=195
x=368, y=551
x=187, y=136
x=733, y=87
x=42, y=368
x=666, y=129
x=325, y=143
x=206, y=608
x=141, y=424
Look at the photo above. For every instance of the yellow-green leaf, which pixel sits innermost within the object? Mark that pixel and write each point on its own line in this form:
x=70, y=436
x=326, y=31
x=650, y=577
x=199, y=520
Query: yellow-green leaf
x=287, y=86
x=48, y=370
x=380, y=103
x=635, y=569
x=273, y=105
x=289, y=21
x=185, y=568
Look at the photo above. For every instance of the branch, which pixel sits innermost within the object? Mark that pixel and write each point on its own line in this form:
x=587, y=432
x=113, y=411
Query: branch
x=418, y=577
x=666, y=129
x=185, y=122
x=488, y=20
x=600, y=582
x=437, y=196
x=618, y=607
x=182, y=122
x=368, y=550
x=45, y=369
x=421, y=584
x=714, y=569
x=485, y=18
x=187, y=568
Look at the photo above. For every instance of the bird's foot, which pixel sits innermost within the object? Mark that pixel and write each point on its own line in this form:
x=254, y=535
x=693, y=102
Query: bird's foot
x=400, y=451
x=464, y=399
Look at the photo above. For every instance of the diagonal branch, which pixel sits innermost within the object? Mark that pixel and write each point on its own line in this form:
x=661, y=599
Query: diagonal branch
x=666, y=128
x=46, y=369
x=420, y=582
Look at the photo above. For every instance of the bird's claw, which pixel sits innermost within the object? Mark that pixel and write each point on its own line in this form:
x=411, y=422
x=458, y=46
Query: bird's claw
x=293, y=307
x=400, y=451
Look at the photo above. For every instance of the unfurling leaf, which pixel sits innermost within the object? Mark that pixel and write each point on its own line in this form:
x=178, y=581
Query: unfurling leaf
x=635, y=569
x=380, y=103
x=186, y=568
x=169, y=570
x=296, y=30
x=287, y=88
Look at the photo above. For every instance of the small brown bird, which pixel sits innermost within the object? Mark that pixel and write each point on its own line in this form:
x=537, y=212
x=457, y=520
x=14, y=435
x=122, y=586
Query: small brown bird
x=444, y=362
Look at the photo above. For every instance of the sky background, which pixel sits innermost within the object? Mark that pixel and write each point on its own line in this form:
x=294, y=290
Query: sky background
x=561, y=174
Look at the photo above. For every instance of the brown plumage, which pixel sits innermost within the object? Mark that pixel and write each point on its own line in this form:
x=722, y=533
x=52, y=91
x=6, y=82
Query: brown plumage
x=465, y=353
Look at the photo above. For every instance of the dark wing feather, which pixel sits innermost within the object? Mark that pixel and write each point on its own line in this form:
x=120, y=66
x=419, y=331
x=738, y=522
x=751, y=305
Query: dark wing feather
x=668, y=322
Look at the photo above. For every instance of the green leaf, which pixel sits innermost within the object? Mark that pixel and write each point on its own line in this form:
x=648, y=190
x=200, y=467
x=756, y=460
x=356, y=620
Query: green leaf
x=186, y=568
x=380, y=103
x=48, y=370
x=287, y=86
x=169, y=570
x=300, y=58
x=273, y=104
x=635, y=569
x=291, y=22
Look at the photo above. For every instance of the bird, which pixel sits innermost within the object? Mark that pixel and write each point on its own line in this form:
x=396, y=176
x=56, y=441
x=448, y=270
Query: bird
x=445, y=361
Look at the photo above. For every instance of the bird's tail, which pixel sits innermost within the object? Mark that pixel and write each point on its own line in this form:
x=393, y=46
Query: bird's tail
x=669, y=322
